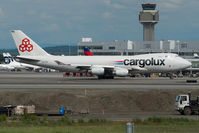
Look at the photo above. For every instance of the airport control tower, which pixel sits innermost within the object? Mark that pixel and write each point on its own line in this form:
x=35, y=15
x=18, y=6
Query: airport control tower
x=148, y=17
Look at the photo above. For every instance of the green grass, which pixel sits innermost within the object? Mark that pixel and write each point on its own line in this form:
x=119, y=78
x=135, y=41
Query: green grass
x=66, y=129
x=32, y=124
x=166, y=129
x=113, y=128
x=165, y=121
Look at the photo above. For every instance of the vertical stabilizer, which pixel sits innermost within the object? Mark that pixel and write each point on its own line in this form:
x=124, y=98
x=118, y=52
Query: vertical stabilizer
x=87, y=52
x=8, y=58
x=26, y=46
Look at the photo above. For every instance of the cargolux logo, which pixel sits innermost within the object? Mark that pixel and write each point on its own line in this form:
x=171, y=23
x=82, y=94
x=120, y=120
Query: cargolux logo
x=25, y=46
x=145, y=62
x=118, y=62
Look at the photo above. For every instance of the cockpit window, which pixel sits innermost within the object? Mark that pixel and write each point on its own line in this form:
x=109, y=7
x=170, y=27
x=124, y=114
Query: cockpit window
x=171, y=55
x=166, y=56
x=176, y=56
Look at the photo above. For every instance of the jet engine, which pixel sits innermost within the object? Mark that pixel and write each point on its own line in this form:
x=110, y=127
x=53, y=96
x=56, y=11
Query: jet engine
x=97, y=71
x=121, y=72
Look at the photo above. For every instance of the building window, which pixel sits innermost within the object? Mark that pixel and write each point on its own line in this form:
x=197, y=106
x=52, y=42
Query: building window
x=112, y=47
x=195, y=64
x=154, y=17
x=131, y=53
x=147, y=46
x=96, y=47
x=184, y=45
x=81, y=47
x=91, y=47
x=107, y=53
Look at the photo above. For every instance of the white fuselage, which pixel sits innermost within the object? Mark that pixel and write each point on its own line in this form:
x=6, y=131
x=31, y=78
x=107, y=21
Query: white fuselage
x=9, y=61
x=6, y=67
x=103, y=66
x=161, y=62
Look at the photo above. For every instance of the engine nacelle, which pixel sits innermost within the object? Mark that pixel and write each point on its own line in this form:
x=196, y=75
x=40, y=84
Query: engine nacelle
x=121, y=72
x=97, y=71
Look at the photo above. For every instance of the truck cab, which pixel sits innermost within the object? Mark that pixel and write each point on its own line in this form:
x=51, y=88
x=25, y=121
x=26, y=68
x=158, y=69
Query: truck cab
x=186, y=106
x=182, y=101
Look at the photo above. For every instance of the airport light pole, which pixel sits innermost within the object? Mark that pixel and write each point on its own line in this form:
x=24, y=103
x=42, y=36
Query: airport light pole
x=129, y=127
x=178, y=46
x=69, y=49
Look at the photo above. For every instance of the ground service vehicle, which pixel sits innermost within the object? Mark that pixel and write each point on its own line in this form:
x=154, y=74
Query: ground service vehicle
x=185, y=105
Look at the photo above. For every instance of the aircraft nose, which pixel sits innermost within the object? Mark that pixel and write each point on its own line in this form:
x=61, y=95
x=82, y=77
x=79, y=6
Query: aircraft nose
x=187, y=64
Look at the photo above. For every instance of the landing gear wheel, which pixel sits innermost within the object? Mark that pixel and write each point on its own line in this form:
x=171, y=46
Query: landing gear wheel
x=110, y=77
x=105, y=77
x=100, y=77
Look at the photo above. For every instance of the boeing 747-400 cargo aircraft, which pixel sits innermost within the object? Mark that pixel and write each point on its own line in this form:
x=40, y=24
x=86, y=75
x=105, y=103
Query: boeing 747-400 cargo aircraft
x=102, y=66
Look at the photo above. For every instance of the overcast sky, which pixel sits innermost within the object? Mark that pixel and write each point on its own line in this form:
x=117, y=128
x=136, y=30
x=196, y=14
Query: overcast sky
x=58, y=22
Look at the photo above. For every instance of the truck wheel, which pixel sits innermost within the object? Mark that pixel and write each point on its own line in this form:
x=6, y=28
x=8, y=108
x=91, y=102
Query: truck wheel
x=187, y=111
x=182, y=112
x=100, y=77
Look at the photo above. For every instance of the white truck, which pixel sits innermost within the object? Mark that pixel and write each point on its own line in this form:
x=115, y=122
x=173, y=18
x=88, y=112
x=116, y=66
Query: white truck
x=185, y=105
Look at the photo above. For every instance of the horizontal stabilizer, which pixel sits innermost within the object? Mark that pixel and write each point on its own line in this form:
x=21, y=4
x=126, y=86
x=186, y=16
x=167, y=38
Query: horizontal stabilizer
x=25, y=60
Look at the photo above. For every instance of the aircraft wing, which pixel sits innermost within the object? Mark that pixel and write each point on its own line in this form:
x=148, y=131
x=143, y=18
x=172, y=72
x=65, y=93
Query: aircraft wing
x=137, y=68
x=87, y=67
x=80, y=66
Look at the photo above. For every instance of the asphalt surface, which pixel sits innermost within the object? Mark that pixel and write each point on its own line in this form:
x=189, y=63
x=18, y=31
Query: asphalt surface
x=28, y=80
x=124, y=98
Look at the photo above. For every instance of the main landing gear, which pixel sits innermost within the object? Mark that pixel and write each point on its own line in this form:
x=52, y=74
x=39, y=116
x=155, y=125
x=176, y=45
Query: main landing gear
x=105, y=77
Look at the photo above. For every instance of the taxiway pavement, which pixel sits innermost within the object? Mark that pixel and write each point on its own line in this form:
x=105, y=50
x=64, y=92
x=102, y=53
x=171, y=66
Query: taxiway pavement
x=29, y=81
x=122, y=98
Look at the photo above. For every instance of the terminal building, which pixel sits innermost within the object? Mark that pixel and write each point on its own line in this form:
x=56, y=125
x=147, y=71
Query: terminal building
x=148, y=17
x=183, y=48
